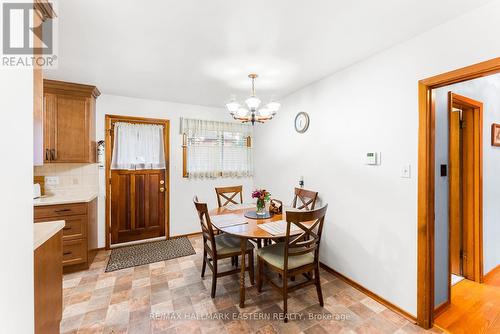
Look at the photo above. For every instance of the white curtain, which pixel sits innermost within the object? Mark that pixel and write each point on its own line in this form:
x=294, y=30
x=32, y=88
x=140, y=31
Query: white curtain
x=138, y=146
x=216, y=149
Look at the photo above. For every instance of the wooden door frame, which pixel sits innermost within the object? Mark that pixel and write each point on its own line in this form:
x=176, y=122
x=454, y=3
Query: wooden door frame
x=109, y=119
x=477, y=253
x=426, y=161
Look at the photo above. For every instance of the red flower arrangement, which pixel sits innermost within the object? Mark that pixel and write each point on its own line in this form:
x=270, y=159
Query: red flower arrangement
x=262, y=196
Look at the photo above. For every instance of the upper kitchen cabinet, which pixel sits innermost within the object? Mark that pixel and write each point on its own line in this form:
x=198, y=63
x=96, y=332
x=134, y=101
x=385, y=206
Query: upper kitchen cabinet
x=69, y=122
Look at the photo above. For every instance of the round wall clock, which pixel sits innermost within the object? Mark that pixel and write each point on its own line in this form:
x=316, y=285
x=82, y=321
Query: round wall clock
x=301, y=122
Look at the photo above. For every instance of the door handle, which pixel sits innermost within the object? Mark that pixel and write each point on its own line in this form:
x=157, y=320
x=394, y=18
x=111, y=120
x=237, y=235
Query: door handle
x=47, y=157
x=162, y=189
x=67, y=253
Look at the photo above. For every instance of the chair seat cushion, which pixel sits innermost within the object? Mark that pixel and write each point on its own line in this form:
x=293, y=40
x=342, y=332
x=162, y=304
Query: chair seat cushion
x=227, y=244
x=274, y=255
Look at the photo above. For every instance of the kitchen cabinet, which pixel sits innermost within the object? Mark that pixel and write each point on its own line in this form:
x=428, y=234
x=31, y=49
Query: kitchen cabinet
x=48, y=277
x=79, y=240
x=69, y=122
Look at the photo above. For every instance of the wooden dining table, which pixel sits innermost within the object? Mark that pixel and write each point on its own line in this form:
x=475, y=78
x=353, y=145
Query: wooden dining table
x=247, y=231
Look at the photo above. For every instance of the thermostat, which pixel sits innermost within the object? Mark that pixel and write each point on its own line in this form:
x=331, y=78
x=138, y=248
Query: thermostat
x=372, y=158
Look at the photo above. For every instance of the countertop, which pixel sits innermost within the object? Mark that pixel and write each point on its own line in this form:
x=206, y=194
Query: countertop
x=83, y=196
x=44, y=231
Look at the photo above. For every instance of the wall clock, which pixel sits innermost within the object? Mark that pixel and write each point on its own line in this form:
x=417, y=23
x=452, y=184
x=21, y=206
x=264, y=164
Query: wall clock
x=301, y=122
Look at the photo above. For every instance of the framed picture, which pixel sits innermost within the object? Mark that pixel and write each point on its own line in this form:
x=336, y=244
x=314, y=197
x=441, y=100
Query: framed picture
x=495, y=134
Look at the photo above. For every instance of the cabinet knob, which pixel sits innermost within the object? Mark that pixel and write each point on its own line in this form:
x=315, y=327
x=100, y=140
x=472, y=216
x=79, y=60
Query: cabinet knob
x=162, y=189
x=162, y=182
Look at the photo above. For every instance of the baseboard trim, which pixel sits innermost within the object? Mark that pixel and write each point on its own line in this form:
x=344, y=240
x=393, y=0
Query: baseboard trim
x=185, y=235
x=491, y=272
x=441, y=308
x=369, y=293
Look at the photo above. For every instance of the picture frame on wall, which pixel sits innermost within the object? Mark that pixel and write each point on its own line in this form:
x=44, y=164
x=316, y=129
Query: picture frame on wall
x=495, y=134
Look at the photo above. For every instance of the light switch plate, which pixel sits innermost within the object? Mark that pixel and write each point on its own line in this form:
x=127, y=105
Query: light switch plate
x=51, y=180
x=406, y=171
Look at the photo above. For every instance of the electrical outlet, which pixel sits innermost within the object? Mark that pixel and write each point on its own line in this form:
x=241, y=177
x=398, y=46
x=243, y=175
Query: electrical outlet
x=51, y=180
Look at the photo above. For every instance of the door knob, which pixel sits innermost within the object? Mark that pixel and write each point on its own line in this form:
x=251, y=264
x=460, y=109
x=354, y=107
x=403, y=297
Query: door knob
x=162, y=182
x=162, y=189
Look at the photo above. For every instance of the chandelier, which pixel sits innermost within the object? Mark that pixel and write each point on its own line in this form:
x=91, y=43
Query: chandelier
x=252, y=113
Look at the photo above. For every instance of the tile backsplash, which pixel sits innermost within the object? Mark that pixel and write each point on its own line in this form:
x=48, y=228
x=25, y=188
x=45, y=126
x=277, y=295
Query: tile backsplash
x=71, y=176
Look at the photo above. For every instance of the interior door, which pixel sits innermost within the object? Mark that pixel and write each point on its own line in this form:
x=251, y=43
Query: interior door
x=137, y=205
x=456, y=222
x=465, y=149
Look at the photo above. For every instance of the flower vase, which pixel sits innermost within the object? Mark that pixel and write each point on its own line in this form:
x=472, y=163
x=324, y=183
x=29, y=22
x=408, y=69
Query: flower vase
x=261, y=207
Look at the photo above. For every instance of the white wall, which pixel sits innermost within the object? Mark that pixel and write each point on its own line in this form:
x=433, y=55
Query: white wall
x=486, y=90
x=183, y=218
x=371, y=229
x=16, y=201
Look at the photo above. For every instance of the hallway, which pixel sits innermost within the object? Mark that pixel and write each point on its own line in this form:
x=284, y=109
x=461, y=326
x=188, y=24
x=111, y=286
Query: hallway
x=475, y=308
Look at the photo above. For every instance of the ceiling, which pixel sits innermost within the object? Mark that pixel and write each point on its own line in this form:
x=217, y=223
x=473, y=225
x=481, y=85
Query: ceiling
x=200, y=52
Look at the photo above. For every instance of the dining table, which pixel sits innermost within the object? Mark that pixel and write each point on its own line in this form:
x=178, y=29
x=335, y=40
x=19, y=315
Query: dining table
x=246, y=229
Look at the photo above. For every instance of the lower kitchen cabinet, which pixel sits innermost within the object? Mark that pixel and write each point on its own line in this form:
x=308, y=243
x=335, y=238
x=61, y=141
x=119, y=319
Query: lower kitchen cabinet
x=48, y=285
x=79, y=244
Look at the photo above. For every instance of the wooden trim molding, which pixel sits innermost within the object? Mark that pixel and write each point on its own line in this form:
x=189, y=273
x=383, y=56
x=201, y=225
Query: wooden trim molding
x=194, y=234
x=491, y=272
x=369, y=293
x=44, y=9
x=70, y=88
x=109, y=121
x=184, y=156
x=426, y=142
x=441, y=308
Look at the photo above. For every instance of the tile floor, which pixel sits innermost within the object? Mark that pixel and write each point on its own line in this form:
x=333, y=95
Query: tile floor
x=170, y=297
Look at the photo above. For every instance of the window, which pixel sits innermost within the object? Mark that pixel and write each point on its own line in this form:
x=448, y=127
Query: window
x=216, y=149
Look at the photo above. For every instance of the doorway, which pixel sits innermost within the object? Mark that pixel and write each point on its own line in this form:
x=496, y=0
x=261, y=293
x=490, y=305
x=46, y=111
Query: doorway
x=465, y=188
x=426, y=176
x=137, y=199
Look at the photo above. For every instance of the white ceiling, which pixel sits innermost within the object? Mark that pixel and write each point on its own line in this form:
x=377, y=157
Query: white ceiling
x=200, y=51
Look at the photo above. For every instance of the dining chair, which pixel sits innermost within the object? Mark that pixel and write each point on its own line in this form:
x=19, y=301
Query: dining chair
x=228, y=195
x=307, y=198
x=307, y=202
x=298, y=254
x=219, y=247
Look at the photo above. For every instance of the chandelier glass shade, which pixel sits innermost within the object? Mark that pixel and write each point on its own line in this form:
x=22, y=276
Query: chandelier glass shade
x=251, y=110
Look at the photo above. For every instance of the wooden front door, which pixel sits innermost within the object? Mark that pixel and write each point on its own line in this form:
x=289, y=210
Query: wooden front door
x=465, y=150
x=137, y=201
x=137, y=204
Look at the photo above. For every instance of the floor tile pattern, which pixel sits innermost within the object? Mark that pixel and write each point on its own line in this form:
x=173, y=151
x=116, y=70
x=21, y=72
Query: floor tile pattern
x=171, y=297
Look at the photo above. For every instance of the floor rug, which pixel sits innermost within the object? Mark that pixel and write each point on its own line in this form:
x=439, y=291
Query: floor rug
x=150, y=252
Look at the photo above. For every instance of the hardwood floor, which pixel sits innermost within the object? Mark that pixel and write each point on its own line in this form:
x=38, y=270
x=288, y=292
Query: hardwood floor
x=475, y=308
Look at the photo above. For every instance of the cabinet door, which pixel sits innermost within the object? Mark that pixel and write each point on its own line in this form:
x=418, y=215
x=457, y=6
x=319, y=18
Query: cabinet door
x=49, y=113
x=75, y=226
x=72, y=128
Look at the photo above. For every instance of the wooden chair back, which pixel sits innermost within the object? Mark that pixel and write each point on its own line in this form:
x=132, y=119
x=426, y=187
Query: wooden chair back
x=309, y=238
x=206, y=226
x=307, y=198
x=228, y=195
